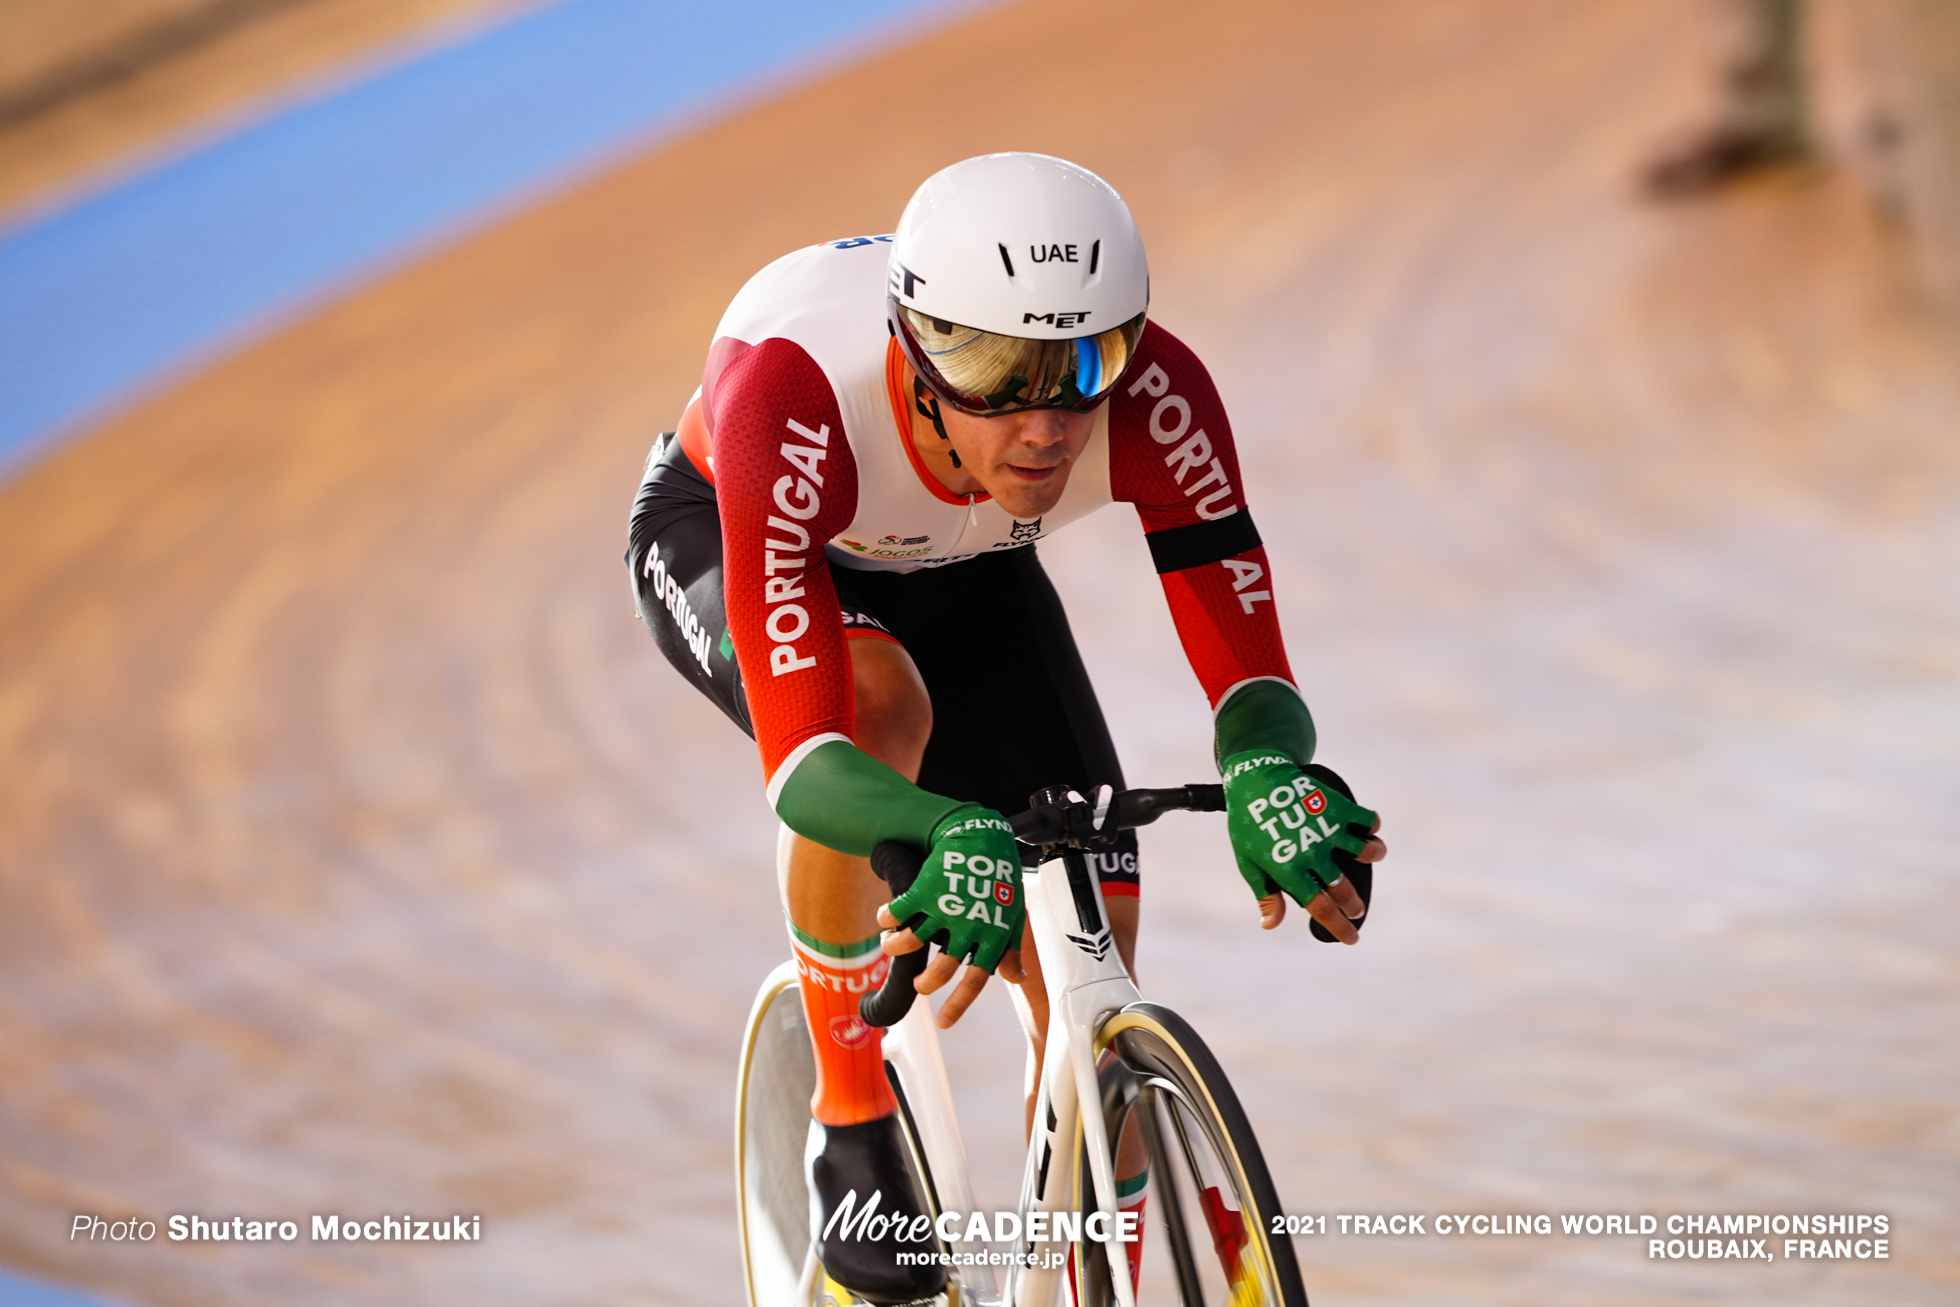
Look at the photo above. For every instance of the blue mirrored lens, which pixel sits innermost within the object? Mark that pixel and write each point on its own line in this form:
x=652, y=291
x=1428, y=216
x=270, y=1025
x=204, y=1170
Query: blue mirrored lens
x=1088, y=366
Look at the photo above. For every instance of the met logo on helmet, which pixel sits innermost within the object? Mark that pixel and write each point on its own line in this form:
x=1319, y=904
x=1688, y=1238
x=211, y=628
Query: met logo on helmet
x=903, y=279
x=1057, y=319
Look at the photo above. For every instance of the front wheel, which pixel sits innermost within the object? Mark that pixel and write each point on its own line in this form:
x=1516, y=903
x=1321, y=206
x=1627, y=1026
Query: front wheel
x=772, y=1121
x=1212, y=1202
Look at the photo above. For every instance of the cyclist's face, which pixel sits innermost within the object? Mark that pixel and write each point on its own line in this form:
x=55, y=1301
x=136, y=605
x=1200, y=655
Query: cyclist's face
x=1022, y=459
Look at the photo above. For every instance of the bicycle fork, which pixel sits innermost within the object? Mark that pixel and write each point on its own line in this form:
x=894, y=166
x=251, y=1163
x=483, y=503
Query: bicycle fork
x=1086, y=981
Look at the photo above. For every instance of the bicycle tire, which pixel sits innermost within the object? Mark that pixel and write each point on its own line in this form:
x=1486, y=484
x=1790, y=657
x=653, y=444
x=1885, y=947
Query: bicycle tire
x=1205, y=1161
x=772, y=1119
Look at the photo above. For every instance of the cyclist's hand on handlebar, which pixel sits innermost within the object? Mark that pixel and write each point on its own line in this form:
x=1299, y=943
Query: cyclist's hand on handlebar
x=967, y=899
x=941, y=969
x=1290, y=833
x=1345, y=908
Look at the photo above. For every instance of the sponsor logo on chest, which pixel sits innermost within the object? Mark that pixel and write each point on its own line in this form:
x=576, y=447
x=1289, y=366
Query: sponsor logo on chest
x=890, y=546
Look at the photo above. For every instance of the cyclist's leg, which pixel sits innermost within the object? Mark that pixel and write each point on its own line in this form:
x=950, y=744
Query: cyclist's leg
x=830, y=899
x=673, y=554
x=1013, y=708
x=1116, y=869
x=827, y=892
x=857, y=1150
x=1012, y=711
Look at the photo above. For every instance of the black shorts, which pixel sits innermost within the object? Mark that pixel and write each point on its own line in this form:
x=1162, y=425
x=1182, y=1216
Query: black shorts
x=1012, y=707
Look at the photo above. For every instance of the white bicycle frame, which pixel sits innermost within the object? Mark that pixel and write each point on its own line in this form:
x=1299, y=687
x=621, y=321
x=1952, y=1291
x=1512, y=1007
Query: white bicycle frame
x=1086, y=981
x=1087, y=985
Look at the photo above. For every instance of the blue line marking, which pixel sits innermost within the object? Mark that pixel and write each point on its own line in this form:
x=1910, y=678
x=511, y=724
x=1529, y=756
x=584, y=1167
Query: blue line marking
x=129, y=287
x=18, y=1292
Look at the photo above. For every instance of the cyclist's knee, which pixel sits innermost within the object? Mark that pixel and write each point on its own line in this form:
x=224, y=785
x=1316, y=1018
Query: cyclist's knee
x=894, y=712
x=828, y=894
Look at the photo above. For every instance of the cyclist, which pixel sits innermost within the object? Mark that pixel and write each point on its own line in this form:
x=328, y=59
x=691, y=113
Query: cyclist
x=838, y=548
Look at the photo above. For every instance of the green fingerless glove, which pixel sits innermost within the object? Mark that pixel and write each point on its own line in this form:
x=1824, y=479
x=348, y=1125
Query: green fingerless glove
x=1286, y=827
x=967, y=898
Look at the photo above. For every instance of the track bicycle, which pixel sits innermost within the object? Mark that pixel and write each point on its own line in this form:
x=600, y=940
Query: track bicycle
x=1137, y=1066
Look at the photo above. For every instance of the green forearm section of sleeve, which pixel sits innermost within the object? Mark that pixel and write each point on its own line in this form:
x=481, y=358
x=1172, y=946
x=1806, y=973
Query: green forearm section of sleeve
x=845, y=799
x=1265, y=715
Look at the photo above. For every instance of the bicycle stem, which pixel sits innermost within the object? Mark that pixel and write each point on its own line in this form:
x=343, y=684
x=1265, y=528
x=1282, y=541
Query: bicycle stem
x=1058, y=820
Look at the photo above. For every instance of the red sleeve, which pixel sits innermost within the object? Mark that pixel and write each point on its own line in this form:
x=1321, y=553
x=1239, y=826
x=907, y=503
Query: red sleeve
x=1171, y=455
x=786, y=483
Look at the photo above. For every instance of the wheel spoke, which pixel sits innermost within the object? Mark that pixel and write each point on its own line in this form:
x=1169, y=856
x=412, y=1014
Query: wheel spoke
x=1169, y=1201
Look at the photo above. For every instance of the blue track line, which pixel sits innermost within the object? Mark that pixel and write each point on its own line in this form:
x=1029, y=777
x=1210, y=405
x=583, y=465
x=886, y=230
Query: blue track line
x=128, y=287
x=16, y=1291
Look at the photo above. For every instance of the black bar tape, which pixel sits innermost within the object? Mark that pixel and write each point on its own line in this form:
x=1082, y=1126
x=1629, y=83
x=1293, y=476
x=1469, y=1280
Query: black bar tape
x=1203, y=542
x=898, y=866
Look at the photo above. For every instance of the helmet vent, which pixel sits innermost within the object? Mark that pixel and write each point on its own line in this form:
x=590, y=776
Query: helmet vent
x=1095, y=257
x=1008, y=263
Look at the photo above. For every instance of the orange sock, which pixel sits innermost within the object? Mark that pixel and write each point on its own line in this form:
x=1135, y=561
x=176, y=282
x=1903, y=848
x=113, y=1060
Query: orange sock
x=851, y=1084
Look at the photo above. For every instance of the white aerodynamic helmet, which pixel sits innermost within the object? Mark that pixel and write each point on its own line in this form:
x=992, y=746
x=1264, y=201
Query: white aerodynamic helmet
x=1018, y=281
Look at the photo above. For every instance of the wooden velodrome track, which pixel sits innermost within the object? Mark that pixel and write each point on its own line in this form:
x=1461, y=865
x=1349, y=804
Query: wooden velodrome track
x=83, y=86
x=360, y=856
